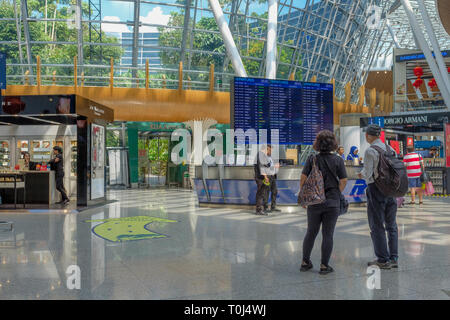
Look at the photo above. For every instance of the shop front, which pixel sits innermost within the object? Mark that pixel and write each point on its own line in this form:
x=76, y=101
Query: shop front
x=428, y=133
x=30, y=127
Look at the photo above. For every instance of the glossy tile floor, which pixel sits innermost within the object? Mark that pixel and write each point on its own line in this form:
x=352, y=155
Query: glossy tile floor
x=192, y=252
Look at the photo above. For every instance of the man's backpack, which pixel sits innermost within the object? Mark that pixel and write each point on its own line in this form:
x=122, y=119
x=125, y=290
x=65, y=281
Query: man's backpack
x=392, y=178
x=313, y=190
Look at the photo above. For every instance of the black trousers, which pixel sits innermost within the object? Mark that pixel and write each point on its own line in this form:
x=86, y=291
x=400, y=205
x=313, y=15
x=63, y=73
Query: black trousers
x=327, y=218
x=382, y=216
x=261, y=192
x=273, y=190
x=60, y=187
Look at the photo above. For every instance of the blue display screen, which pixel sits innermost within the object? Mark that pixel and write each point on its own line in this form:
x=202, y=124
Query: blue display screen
x=299, y=110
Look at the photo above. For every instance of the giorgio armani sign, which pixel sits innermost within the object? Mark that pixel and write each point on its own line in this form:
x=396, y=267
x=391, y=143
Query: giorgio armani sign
x=408, y=119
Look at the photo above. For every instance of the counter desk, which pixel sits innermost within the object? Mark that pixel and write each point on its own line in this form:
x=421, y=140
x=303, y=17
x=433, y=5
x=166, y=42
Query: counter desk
x=235, y=185
x=37, y=187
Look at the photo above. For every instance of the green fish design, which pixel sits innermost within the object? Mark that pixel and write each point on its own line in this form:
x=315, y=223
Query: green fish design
x=127, y=228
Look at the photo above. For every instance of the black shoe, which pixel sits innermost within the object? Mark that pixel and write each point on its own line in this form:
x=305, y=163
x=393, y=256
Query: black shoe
x=65, y=202
x=305, y=267
x=261, y=213
x=59, y=202
x=275, y=209
x=382, y=265
x=325, y=269
x=394, y=263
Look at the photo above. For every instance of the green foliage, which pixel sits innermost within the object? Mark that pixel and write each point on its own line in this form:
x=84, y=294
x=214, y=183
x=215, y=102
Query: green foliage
x=212, y=43
x=158, y=154
x=52, y=31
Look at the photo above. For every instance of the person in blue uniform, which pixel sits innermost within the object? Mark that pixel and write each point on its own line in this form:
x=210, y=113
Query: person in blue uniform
x=353, y=153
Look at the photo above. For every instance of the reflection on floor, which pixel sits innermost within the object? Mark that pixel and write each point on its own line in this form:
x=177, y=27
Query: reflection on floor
x=158, y=244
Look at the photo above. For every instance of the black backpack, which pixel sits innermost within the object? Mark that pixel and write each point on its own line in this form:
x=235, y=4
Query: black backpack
x=392, y=178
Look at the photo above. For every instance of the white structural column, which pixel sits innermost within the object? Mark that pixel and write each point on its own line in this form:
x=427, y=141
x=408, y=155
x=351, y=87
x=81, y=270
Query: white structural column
x=271, y=52
x=426, y=50
x=233, y=53
x=393, y=35
x=435, y=44
x=79, y=26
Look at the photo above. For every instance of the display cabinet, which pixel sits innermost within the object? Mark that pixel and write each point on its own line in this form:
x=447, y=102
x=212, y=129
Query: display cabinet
x=5, y=155
x=40, y=150
x=73, y=158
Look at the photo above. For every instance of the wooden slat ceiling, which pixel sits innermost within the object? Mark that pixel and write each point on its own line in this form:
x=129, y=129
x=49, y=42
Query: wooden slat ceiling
x=380, y=80
x=444, y=13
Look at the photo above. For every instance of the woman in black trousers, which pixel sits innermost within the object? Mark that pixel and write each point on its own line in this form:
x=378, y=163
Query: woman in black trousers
x=325, y=214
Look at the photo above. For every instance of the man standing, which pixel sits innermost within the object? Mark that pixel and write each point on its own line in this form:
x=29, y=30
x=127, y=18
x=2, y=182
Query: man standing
x=381, y=210
x=57, y=164
x=414, y=162
x=265, y=176
x=340, y=152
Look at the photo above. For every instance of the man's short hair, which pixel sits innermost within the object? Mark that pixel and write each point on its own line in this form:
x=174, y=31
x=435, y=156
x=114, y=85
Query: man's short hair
x=58, y=148
x=373, y=130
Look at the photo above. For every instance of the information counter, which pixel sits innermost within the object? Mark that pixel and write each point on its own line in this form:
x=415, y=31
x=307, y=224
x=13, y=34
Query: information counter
x=38, y=188
x=235, y=185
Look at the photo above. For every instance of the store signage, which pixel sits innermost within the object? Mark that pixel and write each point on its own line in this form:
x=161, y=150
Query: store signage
x=418, y=56
x=377, y=120
x=405, y=120
x=97, y=111
x=93, y=111
x=156, y=126
x=410, y=119
x=2, y=70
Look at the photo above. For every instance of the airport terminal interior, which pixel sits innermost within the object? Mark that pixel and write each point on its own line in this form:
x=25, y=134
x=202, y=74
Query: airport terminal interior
x=133, y=135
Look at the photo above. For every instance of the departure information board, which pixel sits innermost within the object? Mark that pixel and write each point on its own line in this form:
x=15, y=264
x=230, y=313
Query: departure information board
x=299, y=110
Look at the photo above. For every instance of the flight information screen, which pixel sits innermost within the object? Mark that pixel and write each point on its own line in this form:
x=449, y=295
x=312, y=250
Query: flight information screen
x=299, y=110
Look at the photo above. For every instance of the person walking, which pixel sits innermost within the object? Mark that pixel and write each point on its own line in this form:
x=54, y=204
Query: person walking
x=57, y=165
x=325, y=214
x=381, y=210
x=266, y=180
x=414, y=164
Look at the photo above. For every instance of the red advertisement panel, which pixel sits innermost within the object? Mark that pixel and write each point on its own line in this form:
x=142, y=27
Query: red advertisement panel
x=395, y=145
x=410, y=142
x=447, y=145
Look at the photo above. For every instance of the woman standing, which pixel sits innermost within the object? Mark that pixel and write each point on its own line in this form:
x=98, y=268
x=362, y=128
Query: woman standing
x=27, y=163
x=324, y=214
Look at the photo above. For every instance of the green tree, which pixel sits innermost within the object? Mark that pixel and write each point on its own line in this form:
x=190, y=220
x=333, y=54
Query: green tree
x=53, y=31
x=209, y=43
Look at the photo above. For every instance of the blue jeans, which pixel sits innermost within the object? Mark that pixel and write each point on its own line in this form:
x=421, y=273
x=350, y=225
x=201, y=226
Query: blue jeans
x=414, y=182
x=382, y=214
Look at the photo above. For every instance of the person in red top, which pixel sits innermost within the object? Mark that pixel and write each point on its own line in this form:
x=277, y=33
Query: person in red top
x=414, y=162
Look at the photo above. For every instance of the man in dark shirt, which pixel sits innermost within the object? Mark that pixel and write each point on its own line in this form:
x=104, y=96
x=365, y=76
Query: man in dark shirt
x=57, y=164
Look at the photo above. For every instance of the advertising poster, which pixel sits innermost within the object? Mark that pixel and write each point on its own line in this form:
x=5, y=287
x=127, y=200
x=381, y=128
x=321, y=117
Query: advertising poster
x=51, y=104
x=97, y=161
x=447, y=145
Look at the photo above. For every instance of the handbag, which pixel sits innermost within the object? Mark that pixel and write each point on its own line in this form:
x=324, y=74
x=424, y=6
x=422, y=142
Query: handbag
x=343, y=206
x=429, y=189
x=424, y=176
x=313, y=191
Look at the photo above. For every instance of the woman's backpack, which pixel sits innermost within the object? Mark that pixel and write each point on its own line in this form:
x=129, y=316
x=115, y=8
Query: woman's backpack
x=313, y=190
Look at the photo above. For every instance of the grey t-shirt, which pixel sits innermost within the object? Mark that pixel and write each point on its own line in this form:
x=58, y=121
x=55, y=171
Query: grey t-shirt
x=371, y=159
